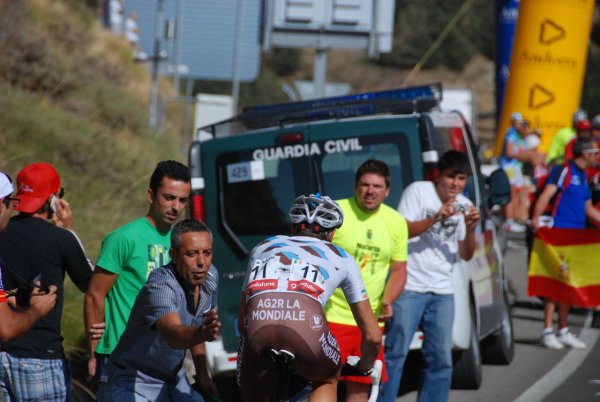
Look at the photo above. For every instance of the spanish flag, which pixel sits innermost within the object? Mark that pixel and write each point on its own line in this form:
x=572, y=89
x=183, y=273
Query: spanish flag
x=564, y=266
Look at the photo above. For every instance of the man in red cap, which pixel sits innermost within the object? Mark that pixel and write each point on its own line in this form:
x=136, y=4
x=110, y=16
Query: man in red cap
x=16, y=322
x=39, y=243
x=583, y=131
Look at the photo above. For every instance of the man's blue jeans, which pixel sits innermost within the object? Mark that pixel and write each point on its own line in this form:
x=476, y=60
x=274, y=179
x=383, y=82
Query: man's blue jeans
x=435, y=314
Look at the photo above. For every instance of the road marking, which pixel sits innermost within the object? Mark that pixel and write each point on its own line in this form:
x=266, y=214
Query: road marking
x=563, y=370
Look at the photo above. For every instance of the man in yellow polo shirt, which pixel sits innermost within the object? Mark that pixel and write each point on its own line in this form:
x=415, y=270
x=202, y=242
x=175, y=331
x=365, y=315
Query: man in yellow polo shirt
x=376, y=236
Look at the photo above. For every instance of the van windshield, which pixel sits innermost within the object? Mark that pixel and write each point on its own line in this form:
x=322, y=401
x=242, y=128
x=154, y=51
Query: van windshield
x=259, y=184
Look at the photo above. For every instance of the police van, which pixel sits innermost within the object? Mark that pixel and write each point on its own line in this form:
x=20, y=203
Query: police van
x=247, y=170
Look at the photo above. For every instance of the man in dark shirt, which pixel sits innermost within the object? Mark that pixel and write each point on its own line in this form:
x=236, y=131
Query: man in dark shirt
x=33, y=367
x=16, y=322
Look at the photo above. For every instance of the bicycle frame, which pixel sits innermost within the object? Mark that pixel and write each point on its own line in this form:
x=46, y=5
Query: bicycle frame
x=284, y=361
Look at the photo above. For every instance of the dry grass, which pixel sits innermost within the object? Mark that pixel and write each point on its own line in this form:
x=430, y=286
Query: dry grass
x=74, y=98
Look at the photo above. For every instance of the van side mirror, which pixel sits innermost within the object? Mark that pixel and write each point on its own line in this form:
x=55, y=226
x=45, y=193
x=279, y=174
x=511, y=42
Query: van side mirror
x=498, y=188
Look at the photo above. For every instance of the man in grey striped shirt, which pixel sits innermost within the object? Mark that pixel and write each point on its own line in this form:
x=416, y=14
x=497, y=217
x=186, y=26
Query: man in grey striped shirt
x=175, y=311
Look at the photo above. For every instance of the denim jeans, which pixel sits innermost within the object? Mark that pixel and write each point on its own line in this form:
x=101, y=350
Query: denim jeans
x=435, y=314
x=129, y=385
x=101, y=366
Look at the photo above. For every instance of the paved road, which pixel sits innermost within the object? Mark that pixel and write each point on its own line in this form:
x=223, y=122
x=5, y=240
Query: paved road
x=536, y=374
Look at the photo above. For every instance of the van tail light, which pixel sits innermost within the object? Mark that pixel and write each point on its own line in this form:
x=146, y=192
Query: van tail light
x=431, y=172
x=198, y=212
x=294, y=137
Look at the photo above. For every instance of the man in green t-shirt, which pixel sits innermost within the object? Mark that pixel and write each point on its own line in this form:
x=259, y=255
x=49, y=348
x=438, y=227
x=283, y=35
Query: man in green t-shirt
x=376, y=236
x=127, y=257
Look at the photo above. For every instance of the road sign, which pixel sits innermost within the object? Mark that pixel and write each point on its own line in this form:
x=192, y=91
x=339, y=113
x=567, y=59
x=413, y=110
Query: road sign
x=206, y=36
x=341, y=24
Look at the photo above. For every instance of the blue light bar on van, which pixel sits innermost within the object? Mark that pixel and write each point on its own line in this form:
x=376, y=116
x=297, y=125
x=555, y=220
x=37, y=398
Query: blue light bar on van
x=426, y=92
x=395, y=101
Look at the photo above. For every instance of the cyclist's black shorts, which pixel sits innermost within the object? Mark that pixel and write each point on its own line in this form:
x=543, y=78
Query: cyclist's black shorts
x=289, y=321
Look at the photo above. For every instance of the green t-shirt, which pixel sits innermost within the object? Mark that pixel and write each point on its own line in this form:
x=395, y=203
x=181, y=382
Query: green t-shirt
x=130, y=252
x=374, y=240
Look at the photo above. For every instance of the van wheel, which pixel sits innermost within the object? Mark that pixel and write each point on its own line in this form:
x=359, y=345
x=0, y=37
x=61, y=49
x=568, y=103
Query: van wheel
x=467, y=371
x=499, y=348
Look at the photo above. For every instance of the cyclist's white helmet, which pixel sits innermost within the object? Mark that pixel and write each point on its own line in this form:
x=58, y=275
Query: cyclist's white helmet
x=318, y=209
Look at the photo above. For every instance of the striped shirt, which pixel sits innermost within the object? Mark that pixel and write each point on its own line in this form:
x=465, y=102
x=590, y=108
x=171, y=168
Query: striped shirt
x=141, y=348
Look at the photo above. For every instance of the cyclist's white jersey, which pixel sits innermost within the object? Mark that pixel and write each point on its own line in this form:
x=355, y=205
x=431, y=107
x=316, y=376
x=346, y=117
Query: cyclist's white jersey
x=306, y=265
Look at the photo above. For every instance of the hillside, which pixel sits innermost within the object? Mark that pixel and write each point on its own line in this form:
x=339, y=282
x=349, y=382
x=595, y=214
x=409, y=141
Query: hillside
x=70, y=95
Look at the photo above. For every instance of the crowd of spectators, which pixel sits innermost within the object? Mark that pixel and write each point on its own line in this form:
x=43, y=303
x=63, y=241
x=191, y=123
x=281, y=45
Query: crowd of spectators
x=152, y=293
x=558, y=188
x=114, y=18
x=527, y=166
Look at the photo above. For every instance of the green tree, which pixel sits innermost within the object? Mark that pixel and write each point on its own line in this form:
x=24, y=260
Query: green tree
x=418, y=23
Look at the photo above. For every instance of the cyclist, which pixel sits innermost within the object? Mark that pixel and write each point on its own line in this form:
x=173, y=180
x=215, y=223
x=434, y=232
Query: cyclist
x=288, y=281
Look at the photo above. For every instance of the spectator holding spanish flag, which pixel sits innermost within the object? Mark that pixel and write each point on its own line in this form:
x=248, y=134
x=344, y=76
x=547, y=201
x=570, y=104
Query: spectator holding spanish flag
x=550, y=271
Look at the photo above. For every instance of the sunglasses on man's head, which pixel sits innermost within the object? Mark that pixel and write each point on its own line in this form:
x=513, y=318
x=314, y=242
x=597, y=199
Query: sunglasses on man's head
x=591, y=151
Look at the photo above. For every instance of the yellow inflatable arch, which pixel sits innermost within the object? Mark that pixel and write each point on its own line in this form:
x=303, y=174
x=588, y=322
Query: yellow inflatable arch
x=547, y=65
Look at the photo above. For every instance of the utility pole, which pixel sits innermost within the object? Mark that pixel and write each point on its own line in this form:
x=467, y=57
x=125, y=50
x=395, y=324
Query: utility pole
x=177, y=46
x=156, y=57
x=237, y=56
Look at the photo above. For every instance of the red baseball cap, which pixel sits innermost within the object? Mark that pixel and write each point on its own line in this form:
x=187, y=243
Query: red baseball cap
x=35, y=184
x=583, y=125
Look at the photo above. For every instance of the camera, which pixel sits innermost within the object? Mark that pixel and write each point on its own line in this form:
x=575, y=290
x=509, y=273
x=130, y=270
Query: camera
x=23, y=293
x=460, y=208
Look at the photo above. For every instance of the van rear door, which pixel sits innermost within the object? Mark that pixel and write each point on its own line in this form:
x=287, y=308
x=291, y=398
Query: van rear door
x=252, y=178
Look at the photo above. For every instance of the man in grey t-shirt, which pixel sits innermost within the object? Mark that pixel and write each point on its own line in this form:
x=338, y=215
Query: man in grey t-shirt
x=174, y=311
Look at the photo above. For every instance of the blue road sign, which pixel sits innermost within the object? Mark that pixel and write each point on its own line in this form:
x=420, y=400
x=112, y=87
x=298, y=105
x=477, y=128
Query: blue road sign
x=208, y=35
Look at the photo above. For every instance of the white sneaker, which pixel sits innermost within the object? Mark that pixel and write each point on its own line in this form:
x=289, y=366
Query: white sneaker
x=570, y=339
x=515, y=227
x=551, y=341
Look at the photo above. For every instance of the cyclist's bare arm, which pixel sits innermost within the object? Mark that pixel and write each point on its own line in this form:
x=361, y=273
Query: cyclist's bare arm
x=371, y=334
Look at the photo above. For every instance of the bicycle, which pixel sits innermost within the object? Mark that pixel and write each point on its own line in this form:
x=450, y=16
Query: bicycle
x=284, y=360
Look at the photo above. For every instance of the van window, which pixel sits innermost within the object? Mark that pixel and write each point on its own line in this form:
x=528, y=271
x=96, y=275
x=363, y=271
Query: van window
x=256, y=193
x=339, y=170
x=450, y=131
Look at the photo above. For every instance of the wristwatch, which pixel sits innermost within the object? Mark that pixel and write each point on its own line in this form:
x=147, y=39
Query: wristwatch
x=363, y=372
